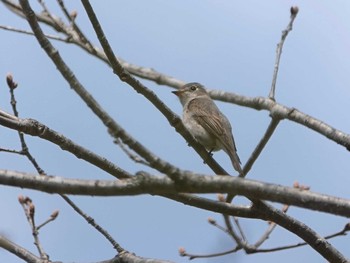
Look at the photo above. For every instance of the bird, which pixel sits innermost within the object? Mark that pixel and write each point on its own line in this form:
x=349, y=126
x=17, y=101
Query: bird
x=207, y=124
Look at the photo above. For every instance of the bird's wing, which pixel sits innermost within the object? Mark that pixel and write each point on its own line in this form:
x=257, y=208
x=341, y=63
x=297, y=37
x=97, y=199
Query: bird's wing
x=209, y=118
x=213, y=121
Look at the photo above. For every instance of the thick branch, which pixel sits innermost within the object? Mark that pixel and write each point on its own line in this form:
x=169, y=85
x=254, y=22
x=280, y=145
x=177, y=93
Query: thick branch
x=190, y=183
x=35, y=128
x=18, y=250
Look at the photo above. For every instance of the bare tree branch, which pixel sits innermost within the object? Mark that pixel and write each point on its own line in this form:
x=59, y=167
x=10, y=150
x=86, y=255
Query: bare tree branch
x=125, y=76
x=17, y=30
x=18, y=251
x=114, y=129
x=144, y=183
x=92, y=222
x=29, y=211
x=183, y=180
x=293, y=15
x=343, y=232
x=256, y=153
x=258, y=103
x=281, y=112
x=316, y=241
x=35, y=128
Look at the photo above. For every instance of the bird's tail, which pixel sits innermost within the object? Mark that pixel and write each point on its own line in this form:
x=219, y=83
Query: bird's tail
x=236, y=162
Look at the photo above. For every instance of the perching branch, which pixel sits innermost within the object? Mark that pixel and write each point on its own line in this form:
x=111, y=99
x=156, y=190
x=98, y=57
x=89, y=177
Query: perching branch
x=125, y=76
x=258, y=103
x=144, y=183
x=169, y=169
x=115, y=130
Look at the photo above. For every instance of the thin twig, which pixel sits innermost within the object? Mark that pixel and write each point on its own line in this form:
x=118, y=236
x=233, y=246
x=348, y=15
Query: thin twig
x=92, y=222
x=223, y=229
x=29, y=211
x=35, y=128
x=271, y=227
x=132, y=156
x=11, y=151
x=343, y=232
x=12, y=86
x=240, y=229
x=27, y=203
x=48, y=13
x=52, y=217
x=257, y=151
x=17, y=30
x=317, y=242
x=77, y=30
x=194, y=256
x=293, y=15
x=261, y=145
x=238, y=239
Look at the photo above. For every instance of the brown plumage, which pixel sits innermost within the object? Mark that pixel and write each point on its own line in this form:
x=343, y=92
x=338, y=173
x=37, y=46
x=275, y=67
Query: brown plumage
x=206, y=122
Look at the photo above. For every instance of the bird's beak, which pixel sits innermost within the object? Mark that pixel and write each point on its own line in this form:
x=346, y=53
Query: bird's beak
x=176, y=92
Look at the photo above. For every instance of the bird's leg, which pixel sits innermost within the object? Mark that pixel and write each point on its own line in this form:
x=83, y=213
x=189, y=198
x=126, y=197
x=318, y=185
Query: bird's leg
x=210, y=153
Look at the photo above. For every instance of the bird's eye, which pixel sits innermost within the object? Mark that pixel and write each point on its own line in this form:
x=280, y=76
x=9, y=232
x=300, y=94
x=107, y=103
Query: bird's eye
x=193, y=88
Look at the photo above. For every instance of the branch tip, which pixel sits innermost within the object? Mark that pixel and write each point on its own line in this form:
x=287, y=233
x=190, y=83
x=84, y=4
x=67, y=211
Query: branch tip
x=10, y=82
x=294, y=10
x=73, y=14
x=347, y=227
x=31, y=210
x=21, y=199
x=212, y=221
x=182, y=251
x=54, y=214
x=221, y=198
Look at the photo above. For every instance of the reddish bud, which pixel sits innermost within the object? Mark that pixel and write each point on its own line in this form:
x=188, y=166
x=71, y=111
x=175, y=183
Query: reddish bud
x=211, y=221
x=54, y=214
x=10, y=83
x=294, y=10
x=74, y=14
x=182, y=251
x=21, y=199
x=221, y=198
x=296, y=184
x=285, y=208
x=31, y=210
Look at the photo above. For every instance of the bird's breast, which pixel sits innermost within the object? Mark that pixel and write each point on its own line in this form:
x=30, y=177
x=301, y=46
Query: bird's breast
x=200, y=133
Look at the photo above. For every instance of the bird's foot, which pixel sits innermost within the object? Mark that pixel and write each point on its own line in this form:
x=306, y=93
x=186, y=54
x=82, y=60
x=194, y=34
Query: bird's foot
x=210, y=154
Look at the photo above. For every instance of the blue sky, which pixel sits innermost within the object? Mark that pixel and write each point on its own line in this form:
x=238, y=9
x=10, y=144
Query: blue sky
x=228, y=45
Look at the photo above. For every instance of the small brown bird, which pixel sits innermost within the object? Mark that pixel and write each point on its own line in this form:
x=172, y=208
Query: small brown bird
x=206, y=123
